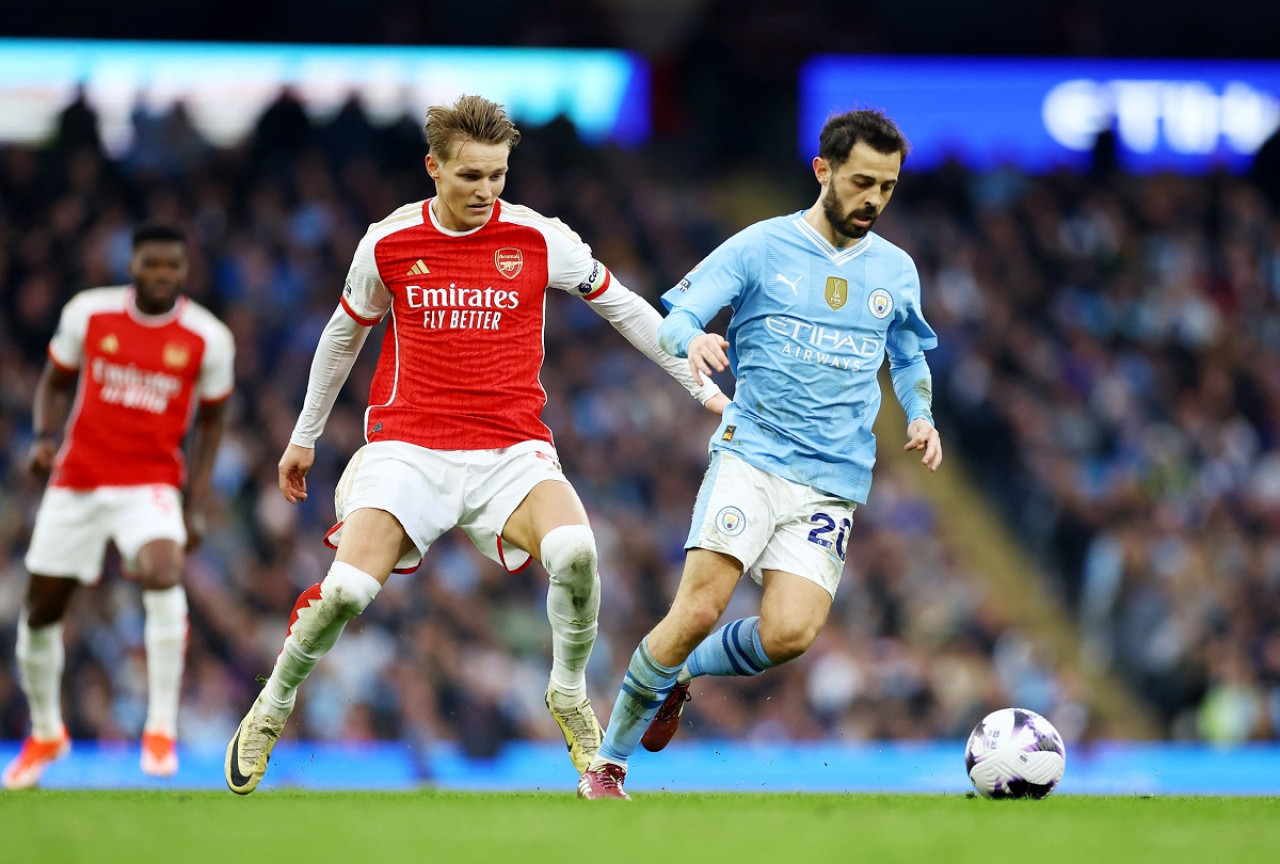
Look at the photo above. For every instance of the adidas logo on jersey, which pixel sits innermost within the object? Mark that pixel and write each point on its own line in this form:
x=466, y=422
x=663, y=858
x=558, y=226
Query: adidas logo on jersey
x=418, y=269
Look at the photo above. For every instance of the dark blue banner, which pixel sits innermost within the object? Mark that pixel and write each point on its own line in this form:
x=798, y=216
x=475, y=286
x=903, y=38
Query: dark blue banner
x=1178, y=115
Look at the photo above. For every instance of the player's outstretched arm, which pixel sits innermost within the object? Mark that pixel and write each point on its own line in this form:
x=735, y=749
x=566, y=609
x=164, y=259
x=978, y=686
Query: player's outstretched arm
x=638, y=322
x=293, y=468
x=922, y=436
x=340, y=342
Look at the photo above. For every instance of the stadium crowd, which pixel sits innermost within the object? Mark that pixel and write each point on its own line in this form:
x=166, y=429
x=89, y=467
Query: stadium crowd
x=1110, y=358
x=1107, y=363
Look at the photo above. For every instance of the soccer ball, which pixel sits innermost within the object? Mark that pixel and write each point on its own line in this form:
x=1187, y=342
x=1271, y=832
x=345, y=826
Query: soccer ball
x=1014, y=753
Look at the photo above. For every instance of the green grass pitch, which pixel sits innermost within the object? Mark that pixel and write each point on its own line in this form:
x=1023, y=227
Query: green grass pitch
x=299, y=827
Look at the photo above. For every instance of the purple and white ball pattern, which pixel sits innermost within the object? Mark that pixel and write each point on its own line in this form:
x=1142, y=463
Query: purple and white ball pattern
x=1015, y=753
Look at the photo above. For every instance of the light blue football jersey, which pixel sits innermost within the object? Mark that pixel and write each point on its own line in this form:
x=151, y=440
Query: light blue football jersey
x=811, y=326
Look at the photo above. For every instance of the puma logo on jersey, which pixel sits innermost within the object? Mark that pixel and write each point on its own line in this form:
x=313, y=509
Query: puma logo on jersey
x=418, y=269
x=790, y=283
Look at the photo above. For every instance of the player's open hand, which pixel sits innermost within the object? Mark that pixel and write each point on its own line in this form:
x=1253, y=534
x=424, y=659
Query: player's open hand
x=706, y=353
x=293, y=468
x=922, y=436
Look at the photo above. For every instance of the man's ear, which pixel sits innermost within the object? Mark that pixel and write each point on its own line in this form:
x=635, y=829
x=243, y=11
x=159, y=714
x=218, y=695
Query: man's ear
x=821, y=170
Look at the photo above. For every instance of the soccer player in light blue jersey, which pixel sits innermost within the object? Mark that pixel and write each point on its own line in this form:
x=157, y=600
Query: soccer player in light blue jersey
x=818, y=302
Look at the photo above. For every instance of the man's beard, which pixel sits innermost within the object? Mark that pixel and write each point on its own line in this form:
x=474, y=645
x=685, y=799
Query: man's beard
x=843, y=224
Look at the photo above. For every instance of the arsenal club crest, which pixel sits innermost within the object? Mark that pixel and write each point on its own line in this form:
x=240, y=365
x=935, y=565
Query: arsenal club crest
x=509, y=262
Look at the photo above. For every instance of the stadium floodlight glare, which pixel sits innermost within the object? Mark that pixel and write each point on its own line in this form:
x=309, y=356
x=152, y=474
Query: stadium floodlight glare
x=225, y=87
x=1038, y=114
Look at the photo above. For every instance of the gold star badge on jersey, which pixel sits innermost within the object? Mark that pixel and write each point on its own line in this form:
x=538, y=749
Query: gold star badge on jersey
x=110, y=344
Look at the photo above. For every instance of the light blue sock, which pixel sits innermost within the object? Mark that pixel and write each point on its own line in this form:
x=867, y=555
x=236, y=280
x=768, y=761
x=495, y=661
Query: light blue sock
x=734, y=649
x=644, y=689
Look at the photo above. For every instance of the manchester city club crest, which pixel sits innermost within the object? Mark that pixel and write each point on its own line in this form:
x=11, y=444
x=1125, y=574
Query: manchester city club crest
x=731, y=521
x=509, y=262
x=880, y=303
x=837, y=291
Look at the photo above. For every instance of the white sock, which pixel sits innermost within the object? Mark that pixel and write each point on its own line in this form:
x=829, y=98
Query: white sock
x=318, y=619
x=573, y=607
x=41, y=656
x=165, y=635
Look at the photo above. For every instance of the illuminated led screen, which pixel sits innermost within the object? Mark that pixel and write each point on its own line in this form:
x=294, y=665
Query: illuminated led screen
x=1188, y=116
x=225, y=87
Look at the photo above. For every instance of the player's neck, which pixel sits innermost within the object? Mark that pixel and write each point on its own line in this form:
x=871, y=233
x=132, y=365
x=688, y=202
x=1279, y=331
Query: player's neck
x=817, y=218
x=153, y=308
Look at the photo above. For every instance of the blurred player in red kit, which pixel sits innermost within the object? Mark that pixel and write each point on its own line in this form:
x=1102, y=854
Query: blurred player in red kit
x=145, y=365
x=453, y=429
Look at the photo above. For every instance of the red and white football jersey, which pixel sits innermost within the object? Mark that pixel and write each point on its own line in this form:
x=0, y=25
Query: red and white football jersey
x=459, y=363
x=140, y=376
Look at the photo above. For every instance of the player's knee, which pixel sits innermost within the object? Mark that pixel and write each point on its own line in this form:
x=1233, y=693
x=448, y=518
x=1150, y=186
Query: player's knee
x=697, y=618
x=569, y=554
x=348, y=590
x=159, y=565
x=786, y=641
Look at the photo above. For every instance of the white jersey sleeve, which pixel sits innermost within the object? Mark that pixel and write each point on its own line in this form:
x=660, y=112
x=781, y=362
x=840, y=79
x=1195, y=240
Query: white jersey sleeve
x=365, y=296
x=340, y=343
x=66, y=348
x=571, y=267
x=366, y=299
x=633, y=317
x=217, y=368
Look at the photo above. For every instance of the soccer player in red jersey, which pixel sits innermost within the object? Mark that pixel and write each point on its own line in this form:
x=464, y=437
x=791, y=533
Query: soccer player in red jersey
x=453, y=429
x=145, y=364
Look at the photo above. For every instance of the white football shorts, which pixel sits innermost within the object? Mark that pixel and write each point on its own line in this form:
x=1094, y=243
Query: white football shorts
x=770, y=523
x=431, y=491
x=73, y=527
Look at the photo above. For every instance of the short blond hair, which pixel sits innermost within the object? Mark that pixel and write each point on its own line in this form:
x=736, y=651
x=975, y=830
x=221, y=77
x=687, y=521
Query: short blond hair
x=471, y=118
